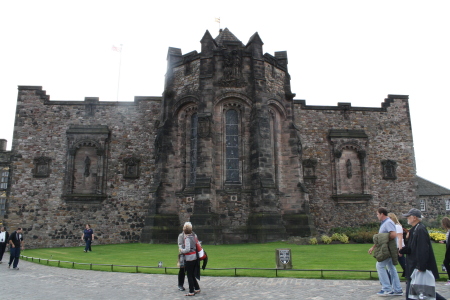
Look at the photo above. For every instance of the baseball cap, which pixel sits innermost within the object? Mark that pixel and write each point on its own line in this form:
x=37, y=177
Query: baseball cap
x=413, y=212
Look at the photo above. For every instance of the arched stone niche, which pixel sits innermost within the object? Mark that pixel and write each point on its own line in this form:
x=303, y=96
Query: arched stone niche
x=349, y=166
x=86, y=163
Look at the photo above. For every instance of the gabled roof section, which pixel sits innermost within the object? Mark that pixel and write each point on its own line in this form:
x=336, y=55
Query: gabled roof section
x=428, y=188
x=226, y=36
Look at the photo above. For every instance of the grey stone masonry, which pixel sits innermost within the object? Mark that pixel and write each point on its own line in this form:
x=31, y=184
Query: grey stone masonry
x=226, y=147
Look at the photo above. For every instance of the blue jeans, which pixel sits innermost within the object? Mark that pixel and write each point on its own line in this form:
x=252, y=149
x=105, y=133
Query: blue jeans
x=384, y=278
x=88, y=245
x=15, y=254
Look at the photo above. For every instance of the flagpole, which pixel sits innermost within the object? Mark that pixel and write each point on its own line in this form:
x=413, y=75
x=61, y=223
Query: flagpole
x=218, y=21
x=118, y=80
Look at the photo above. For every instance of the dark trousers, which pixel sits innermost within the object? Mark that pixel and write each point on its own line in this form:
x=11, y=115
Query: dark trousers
x=14, y=258
x=402, y=262
x=88, y=245
x=446, y=265
x=2, y=250
x=181, y=275
x=408, y=282
x=191, y=267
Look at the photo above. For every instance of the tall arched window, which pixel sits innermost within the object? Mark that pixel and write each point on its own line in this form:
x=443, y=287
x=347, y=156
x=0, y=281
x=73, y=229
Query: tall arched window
x=274, y=145
x=194, y=147
x=232, y=146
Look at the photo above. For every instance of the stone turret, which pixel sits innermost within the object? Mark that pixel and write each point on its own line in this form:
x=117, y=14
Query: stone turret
x=226, y=112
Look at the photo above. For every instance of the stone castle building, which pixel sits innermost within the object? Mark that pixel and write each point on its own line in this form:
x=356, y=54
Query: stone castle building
x=227, y=146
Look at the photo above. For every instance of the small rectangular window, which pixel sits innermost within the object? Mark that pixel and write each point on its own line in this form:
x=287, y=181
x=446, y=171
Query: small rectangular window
x=447, y=204
x=423, y=205
x=4, y=180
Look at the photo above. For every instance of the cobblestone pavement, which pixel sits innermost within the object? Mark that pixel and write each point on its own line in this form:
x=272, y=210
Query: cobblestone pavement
x=34, y=281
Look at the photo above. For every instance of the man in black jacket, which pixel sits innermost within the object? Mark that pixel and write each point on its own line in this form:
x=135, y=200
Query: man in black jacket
x=4, y=236
x=419, y=252
x=15, y=245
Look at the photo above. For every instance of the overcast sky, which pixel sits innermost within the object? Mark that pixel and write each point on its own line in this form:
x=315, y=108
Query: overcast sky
x=338, y=51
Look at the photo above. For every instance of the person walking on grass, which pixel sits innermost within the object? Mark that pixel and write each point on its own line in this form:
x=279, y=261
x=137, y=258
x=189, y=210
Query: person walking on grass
x=15, y=245
x=88, y=237
x=419, y=252
x=388, y=288
x=446, y=225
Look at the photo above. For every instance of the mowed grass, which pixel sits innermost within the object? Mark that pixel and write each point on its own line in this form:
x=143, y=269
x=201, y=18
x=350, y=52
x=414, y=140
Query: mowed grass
x=223, y=259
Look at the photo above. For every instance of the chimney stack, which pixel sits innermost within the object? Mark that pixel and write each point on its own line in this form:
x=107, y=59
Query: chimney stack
x=3, y=143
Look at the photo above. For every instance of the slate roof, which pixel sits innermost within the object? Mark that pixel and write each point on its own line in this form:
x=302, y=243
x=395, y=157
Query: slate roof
x=226, y=35
x=428, y=188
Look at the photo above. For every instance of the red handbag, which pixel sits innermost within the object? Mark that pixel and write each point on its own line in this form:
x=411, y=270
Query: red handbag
x=200, y=251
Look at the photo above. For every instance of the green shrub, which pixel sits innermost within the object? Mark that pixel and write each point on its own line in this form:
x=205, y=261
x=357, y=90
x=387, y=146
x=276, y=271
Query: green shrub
x=434, y=223
x=362, y=236
x=326, y=239
x=336, y=236
x=313, y=241
x=343, y=239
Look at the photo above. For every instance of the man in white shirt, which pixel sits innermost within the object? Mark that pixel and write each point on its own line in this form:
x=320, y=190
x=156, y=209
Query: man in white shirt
x=4, y=236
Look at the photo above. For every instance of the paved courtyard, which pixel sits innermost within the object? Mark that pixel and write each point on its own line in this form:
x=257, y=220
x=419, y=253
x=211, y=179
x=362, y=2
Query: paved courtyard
x=34, y=281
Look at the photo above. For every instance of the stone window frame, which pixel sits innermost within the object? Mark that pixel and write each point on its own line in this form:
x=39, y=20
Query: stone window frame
x=277, y=121
x=423, y=204
x=4, y=178
x=184, y=134
x=243, y=104
x=232, y=105
x=193, y=137
x=129, y=163
x=385, y=166
x=231, y=158
x=39, y=162
x=341, y=139
x=447, y=204
x=2, y=205
x=310, y=163
x=97, y=136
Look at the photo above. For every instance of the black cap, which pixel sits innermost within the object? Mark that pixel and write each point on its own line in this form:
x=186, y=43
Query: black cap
x=413, y=212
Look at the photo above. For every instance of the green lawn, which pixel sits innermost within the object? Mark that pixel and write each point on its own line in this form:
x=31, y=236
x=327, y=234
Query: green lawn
x=305, y=257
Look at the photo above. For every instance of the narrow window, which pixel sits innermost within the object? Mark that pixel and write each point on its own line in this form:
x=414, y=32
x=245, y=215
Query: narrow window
x=232, y=146
x=194, y=143
x=447, y=204
x=2, y=206
x=422, y=205
x=4, y=180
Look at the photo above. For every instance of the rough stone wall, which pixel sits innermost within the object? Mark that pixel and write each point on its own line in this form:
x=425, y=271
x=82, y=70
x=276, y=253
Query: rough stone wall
x=36, y=203
x=299, y=165
x=435, y=206
x=187, y=81
x=5, y=162
x=389, y=136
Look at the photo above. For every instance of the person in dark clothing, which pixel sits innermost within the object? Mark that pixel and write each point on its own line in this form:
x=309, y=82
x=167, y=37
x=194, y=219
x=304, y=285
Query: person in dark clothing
x=88, y=237
x=446, y=225
x=419, y=252
x=4, y=236
x=15, y=245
